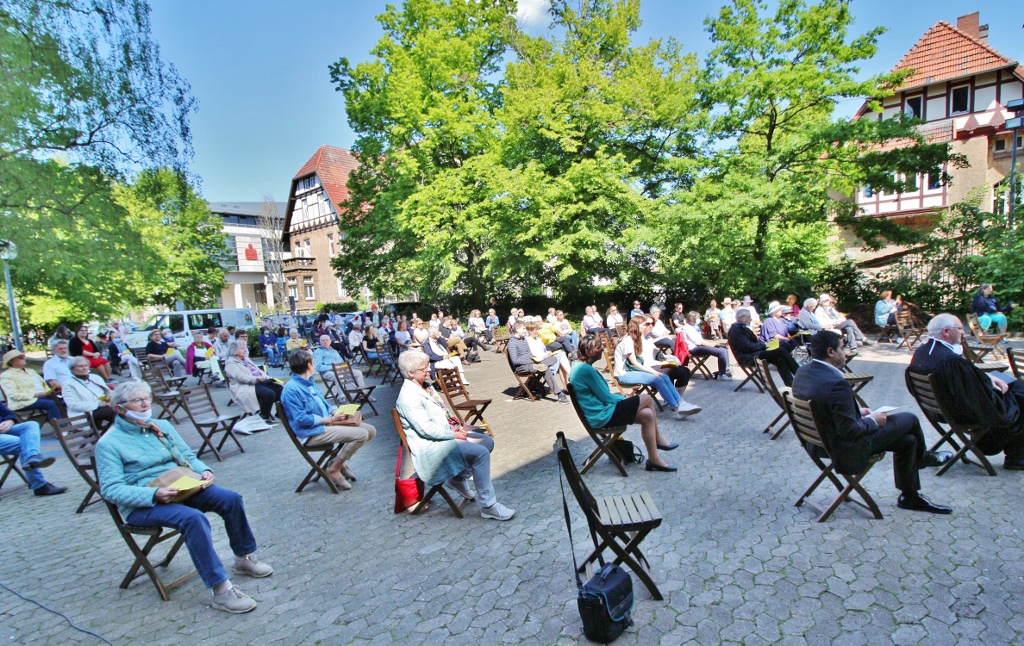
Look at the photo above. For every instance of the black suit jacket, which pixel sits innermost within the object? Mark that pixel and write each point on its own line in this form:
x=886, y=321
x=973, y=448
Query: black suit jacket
x=846, y=432
x=744, y=344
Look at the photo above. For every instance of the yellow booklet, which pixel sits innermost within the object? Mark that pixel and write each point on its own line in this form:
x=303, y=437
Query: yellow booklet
x=209, y=352
x=347, y=409
x=185, y=483
x=772, y=345
x=170, y=351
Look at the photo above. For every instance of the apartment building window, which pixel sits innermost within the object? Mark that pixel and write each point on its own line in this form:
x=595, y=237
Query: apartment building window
x=869, y=192
x=330, y=245
x=912, y=184
x=342, y=292
x=309, y=292
x=959, y=102
x=293, y=291
x=305, y=248
x=934, y=180
x=912, y=107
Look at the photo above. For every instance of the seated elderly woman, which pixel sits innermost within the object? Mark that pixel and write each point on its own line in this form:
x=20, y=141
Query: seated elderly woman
x=159, y=349
x=250, y=386
x=87, y=393
x=294, y=342
x=137, y=450
x=443, y=449
x=118, y=352
x=313, y=422
x=436, y=349
x=82, y=346
x=25, y=389
x=202, y=354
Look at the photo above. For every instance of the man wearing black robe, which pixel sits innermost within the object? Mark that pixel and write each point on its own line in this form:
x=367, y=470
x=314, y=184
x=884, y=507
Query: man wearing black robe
x=747, y=347
x=971, y=396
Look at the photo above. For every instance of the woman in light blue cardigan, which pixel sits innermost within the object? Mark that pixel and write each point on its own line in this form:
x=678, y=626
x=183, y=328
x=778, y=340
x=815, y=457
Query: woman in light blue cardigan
x=138, y=449
x=443, y=449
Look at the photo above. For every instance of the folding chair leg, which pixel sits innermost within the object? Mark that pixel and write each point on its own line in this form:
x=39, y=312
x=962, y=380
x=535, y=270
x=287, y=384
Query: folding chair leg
x=603, y=449
x=961, y=453
x=88, y=499
x=319, y=469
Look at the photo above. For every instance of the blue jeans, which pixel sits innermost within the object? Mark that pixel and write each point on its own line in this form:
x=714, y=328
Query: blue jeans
x=43, y=403
x=476, y=449
x=271, y=355
x=23, y=440
x=188, y=518
x=662, y=383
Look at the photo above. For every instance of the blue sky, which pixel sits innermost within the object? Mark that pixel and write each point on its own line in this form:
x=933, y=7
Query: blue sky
x=266, y=103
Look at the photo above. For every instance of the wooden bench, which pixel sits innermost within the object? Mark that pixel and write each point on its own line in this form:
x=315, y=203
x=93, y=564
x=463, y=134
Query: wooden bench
x=618, y=523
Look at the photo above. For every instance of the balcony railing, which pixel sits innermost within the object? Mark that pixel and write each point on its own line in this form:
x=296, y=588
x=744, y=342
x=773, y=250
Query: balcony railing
x=296, y=264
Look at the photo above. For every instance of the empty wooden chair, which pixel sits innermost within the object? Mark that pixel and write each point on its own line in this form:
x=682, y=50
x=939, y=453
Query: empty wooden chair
x=764, y=371
x=318, y=466
x=806, y=424
x=500, y=339
x=962, y=437
x=529, y=384
x=971, y=354
x=424, y=502
x=909, y=330
x=155, y=536
x=619, y=523
x=346, y=382
x=467, y=409
x=78, y=437
x=166, y=397
x=209, y=422
x=389, y=366
x=604, y=438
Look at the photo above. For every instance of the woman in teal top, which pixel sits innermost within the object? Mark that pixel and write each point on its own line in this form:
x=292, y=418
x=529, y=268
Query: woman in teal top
x=603, y=408
x=138, y=449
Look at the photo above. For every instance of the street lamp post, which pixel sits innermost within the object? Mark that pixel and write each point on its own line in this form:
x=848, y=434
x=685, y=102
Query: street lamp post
x=1014, y=125
x=9, y=252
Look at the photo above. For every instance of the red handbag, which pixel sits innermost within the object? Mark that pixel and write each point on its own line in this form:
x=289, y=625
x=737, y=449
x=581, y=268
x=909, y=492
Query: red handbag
x=408, y=491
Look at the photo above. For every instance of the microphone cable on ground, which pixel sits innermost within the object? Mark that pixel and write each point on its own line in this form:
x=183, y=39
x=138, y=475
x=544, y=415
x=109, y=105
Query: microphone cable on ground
x=70, y=623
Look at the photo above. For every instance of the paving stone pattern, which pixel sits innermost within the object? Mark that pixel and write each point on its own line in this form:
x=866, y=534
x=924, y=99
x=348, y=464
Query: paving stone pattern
x=736, y=561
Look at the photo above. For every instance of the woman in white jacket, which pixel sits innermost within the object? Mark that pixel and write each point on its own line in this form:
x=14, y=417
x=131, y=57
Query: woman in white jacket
x=83, y=392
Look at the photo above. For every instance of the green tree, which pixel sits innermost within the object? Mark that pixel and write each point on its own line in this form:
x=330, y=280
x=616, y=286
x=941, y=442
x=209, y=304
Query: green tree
x=782, y=160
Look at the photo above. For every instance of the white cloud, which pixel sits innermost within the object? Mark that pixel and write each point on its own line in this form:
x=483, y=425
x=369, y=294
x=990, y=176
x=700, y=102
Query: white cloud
x=533, y=13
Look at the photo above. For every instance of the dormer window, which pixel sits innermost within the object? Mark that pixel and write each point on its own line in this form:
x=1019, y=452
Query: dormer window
x=959, y=102
x=912, y=107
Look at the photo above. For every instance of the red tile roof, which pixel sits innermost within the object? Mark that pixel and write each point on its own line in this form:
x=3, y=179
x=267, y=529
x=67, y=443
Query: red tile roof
x=332, y=165
x=945, y=53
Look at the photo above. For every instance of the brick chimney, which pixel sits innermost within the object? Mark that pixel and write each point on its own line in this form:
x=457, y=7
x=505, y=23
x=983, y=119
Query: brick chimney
x=970, y=24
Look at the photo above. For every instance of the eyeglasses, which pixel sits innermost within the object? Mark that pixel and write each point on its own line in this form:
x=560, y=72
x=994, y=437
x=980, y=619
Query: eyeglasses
x=423, y=369
x=139, y=401
x=648, y=322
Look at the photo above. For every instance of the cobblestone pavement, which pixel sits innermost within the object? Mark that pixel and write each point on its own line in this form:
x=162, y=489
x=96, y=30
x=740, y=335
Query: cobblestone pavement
x=734, y=558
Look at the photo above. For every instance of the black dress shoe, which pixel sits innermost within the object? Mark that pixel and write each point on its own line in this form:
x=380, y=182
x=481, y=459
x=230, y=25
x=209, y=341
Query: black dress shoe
x=650, y=466
x=668, y=447
x=40, y=463
x=937, y=458
x=50, y=489
x=1013, y=465
x=920, y=503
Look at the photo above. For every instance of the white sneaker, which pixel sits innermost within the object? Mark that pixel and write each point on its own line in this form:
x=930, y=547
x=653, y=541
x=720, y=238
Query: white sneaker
x=249, y=566
x=234, y=601
x=685, y=409
x=497, y=511
x=724, y=376
x=460, y=486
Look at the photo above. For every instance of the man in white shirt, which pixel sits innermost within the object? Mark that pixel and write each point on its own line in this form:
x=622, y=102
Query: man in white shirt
x=698, y=347
x=830, y=318
x=662, y=338
x=57, y=368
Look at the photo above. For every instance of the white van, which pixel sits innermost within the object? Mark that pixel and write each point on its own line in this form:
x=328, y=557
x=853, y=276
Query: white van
x=182, y=323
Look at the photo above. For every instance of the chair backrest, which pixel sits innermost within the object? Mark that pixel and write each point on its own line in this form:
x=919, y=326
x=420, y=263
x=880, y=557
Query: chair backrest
x=572, y=475
x=970, y=354
x=923, y=388
x=579, y=411
x=451, y=383
x=975, y=325
x=904, y=320
x=279, y=407
x=801, y=416
x=620, y=330
x=343, y=373
x=198, y=402
x=508, y=358
x=609, y=360
x=766, y=376
x=78, y=437
x=606, y=340
x=1013, y=355
x=401, y=429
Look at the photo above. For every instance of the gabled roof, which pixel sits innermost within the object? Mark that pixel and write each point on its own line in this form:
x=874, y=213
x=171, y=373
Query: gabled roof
x=945, y=53
x=332, y=165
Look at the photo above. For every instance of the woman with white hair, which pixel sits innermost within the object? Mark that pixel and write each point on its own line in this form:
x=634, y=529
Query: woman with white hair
x=119, y=352
x=250, y=386
x=137, y=450
x=436, y=348
x=87, y=393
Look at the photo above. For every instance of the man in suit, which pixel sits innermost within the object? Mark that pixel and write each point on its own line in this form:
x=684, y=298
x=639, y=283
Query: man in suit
x=746, y=347
x=855, y=434
x=973, y=397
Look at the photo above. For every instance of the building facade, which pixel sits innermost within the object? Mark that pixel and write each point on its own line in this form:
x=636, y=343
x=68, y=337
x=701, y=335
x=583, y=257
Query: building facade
x=959, y=86
x=250, y=274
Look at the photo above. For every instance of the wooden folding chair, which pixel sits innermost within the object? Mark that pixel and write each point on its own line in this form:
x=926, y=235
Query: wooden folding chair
x=167, y=398
x=10, y=465
x=424, y=502
x=156, y=535
x=628, y=390
x=78, y=437
x=699, y=364
x=209, y=422
x=604, y=438
x=500, y=339
x=467, y=409
x=617, y=523
x=807, y=425
x=923, y=388
x=909, y=329
x=343, y=373
x=1015, y=358
x=765, y=373
x=971, y=354
x=985, y=339
x=606, y=341
x=528, y=383
x=751, y=377
x=620, y=330
x=318, y=466
x=389, y=364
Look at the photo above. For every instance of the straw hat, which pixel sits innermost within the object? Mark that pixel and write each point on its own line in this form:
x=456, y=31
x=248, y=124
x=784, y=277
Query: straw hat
x=774, y=307
x=727, y=301
x=11, y=356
